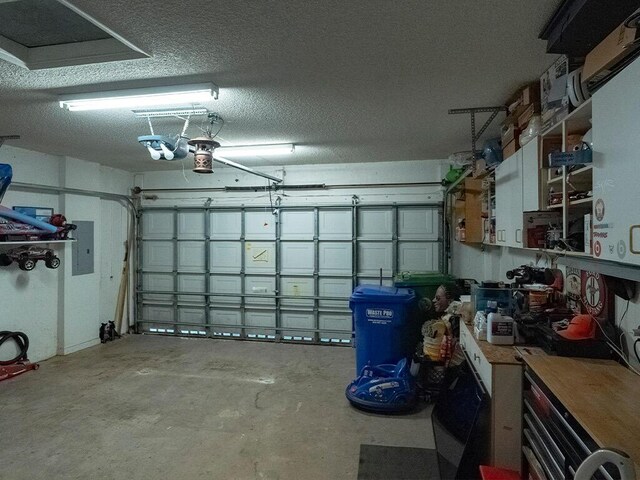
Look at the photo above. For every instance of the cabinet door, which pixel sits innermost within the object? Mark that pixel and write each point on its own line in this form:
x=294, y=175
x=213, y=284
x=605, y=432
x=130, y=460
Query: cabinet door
x=514, y=228
x=616, y=169
x=530, y=176
x=502, y=201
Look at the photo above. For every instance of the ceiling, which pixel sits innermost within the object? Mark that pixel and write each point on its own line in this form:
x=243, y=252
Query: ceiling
x=357, y=81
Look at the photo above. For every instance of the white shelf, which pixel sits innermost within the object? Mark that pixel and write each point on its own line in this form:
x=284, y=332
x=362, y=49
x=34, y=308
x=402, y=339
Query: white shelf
x=554, y=180
x=557, y=205
x=560, y=253
x=581, y=201
x=36, y=242
x=576, y=121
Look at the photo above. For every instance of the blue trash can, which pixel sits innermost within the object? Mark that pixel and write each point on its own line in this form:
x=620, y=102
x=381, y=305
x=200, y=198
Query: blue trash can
x=381, y=317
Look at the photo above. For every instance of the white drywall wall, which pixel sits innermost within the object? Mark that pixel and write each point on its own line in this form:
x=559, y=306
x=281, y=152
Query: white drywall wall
x=336, y=174
x=61, y=313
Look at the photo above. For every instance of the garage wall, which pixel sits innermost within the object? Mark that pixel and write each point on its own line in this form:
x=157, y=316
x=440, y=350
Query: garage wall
x=492, y=263
x=332, y=174
x=68, y=310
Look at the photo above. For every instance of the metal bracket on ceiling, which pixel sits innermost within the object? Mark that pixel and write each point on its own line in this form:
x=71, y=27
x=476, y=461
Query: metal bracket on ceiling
x=472, y=111
x=4, y=138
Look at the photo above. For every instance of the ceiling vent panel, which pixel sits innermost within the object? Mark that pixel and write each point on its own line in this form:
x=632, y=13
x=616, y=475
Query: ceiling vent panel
x=38, y=34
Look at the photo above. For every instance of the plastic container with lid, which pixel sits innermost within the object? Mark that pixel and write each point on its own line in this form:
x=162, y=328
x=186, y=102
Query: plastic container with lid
x=382, y=319
x=500, y=328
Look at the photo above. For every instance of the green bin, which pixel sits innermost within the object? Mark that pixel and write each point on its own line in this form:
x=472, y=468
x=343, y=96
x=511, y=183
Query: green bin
x=424, y=284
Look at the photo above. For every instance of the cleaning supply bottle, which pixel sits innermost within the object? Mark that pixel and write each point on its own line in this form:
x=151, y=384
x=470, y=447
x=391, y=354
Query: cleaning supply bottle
x=500, y=328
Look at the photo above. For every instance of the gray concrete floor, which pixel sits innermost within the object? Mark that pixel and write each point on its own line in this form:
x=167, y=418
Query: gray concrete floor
x=172, y=408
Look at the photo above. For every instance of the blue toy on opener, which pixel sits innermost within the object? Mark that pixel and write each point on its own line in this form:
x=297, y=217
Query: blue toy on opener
x=385, y=388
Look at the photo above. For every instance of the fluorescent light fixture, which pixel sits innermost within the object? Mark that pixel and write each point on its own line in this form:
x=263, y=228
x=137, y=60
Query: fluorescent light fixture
x=255, y=150
x=171, y=112
x=140, y=97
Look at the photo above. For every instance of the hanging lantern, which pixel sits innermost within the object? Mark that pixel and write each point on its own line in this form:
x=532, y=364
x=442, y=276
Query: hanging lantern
x=203, y=156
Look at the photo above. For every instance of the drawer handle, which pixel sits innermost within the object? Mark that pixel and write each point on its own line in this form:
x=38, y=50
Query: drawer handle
x=476, y=356
x=631, y=229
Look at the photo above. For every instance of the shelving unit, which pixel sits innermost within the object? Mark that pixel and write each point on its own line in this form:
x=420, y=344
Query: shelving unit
x=561, y=179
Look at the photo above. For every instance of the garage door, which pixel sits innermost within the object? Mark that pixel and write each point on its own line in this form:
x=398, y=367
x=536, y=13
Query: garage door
x=247, y=273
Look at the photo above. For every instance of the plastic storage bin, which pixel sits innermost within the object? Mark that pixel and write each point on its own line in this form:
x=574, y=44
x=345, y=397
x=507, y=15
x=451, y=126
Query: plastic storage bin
x=382, y=319
x=481, y=295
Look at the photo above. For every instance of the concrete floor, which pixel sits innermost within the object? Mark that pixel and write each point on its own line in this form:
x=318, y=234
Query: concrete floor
x=172, y=408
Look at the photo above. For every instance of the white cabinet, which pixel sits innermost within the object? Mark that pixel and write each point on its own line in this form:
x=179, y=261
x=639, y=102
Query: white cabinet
x=501, y=375
x=531, y=176
x=517, y=191
x=616, y=168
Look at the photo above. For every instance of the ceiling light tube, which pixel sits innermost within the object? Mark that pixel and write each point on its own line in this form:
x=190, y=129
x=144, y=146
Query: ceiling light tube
x=256, y=150
x=140, y=97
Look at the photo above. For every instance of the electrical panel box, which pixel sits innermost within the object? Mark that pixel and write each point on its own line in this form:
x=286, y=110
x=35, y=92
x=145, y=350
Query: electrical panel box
x=82, y=249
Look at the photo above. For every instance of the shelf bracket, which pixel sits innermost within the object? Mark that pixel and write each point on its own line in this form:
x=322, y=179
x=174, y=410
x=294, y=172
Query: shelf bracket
x=475, y=136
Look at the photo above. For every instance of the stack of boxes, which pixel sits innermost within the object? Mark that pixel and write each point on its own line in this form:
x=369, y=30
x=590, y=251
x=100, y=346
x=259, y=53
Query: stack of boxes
x=522, y=107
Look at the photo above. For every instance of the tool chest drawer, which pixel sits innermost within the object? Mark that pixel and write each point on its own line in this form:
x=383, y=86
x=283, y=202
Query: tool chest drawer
x=551, y=434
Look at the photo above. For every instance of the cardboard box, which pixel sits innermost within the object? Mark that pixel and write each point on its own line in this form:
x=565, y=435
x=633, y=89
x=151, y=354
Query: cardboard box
x=479, y=167
x=550, y=144
x=530, y=94
x=554, y=96
x=510, y=148
x=509, y=133
x=608, y=53
x=531, y=110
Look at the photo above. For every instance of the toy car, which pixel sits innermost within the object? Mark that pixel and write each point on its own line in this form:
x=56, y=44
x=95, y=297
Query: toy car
x=27, y=256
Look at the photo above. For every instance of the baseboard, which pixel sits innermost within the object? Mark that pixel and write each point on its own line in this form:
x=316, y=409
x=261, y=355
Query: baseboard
x=79, y=346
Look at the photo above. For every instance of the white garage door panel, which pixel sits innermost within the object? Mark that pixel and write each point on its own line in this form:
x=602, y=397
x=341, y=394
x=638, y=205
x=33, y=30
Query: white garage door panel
x=334, y=287
x=161, y=282
x=226, y=225
x=158, y=256
x=260, y=319
x=191, y=257
x=191, y=315
x=335, y=225
x=260, y=286
x=418, y=223
x=296, y=225
x=297, y=320
x=158, y=313
x=374, y=256
x=388, y=282
x=260, y=257
x=191, y=225
x=259, y=225
x=334, y=258
x=297, y=257
x=191, y=283
x=295, y=287
x=417, y=257
x=375, y=224
x=157, y=225
x=225, y=284
x=226, y=317
x=226, y=257
x=328, y=321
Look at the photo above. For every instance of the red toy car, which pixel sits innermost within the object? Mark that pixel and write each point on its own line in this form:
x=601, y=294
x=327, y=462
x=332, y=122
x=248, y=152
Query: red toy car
x=27, y=256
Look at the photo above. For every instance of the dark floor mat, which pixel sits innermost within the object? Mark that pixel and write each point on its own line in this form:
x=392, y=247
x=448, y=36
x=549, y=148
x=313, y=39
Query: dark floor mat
x=397, y=463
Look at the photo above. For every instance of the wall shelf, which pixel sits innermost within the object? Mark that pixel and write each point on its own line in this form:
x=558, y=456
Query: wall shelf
x=581, y=201
x=555, y=180
x=36, y=242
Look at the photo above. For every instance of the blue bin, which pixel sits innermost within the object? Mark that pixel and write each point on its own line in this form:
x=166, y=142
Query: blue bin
x=381, y=317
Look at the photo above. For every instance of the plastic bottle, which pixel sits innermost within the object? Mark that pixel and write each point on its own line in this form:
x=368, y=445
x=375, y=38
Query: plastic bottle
x=500, y=329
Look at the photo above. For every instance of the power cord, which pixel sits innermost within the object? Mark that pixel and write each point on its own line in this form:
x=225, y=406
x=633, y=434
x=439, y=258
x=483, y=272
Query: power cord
x=622, y=320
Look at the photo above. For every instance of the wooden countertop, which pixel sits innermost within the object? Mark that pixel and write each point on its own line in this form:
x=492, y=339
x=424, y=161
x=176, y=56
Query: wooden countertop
x=603, y=396
x=495, y=354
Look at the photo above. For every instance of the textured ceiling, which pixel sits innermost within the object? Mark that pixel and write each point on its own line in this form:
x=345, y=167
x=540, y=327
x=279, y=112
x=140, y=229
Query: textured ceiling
x=356, y=81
